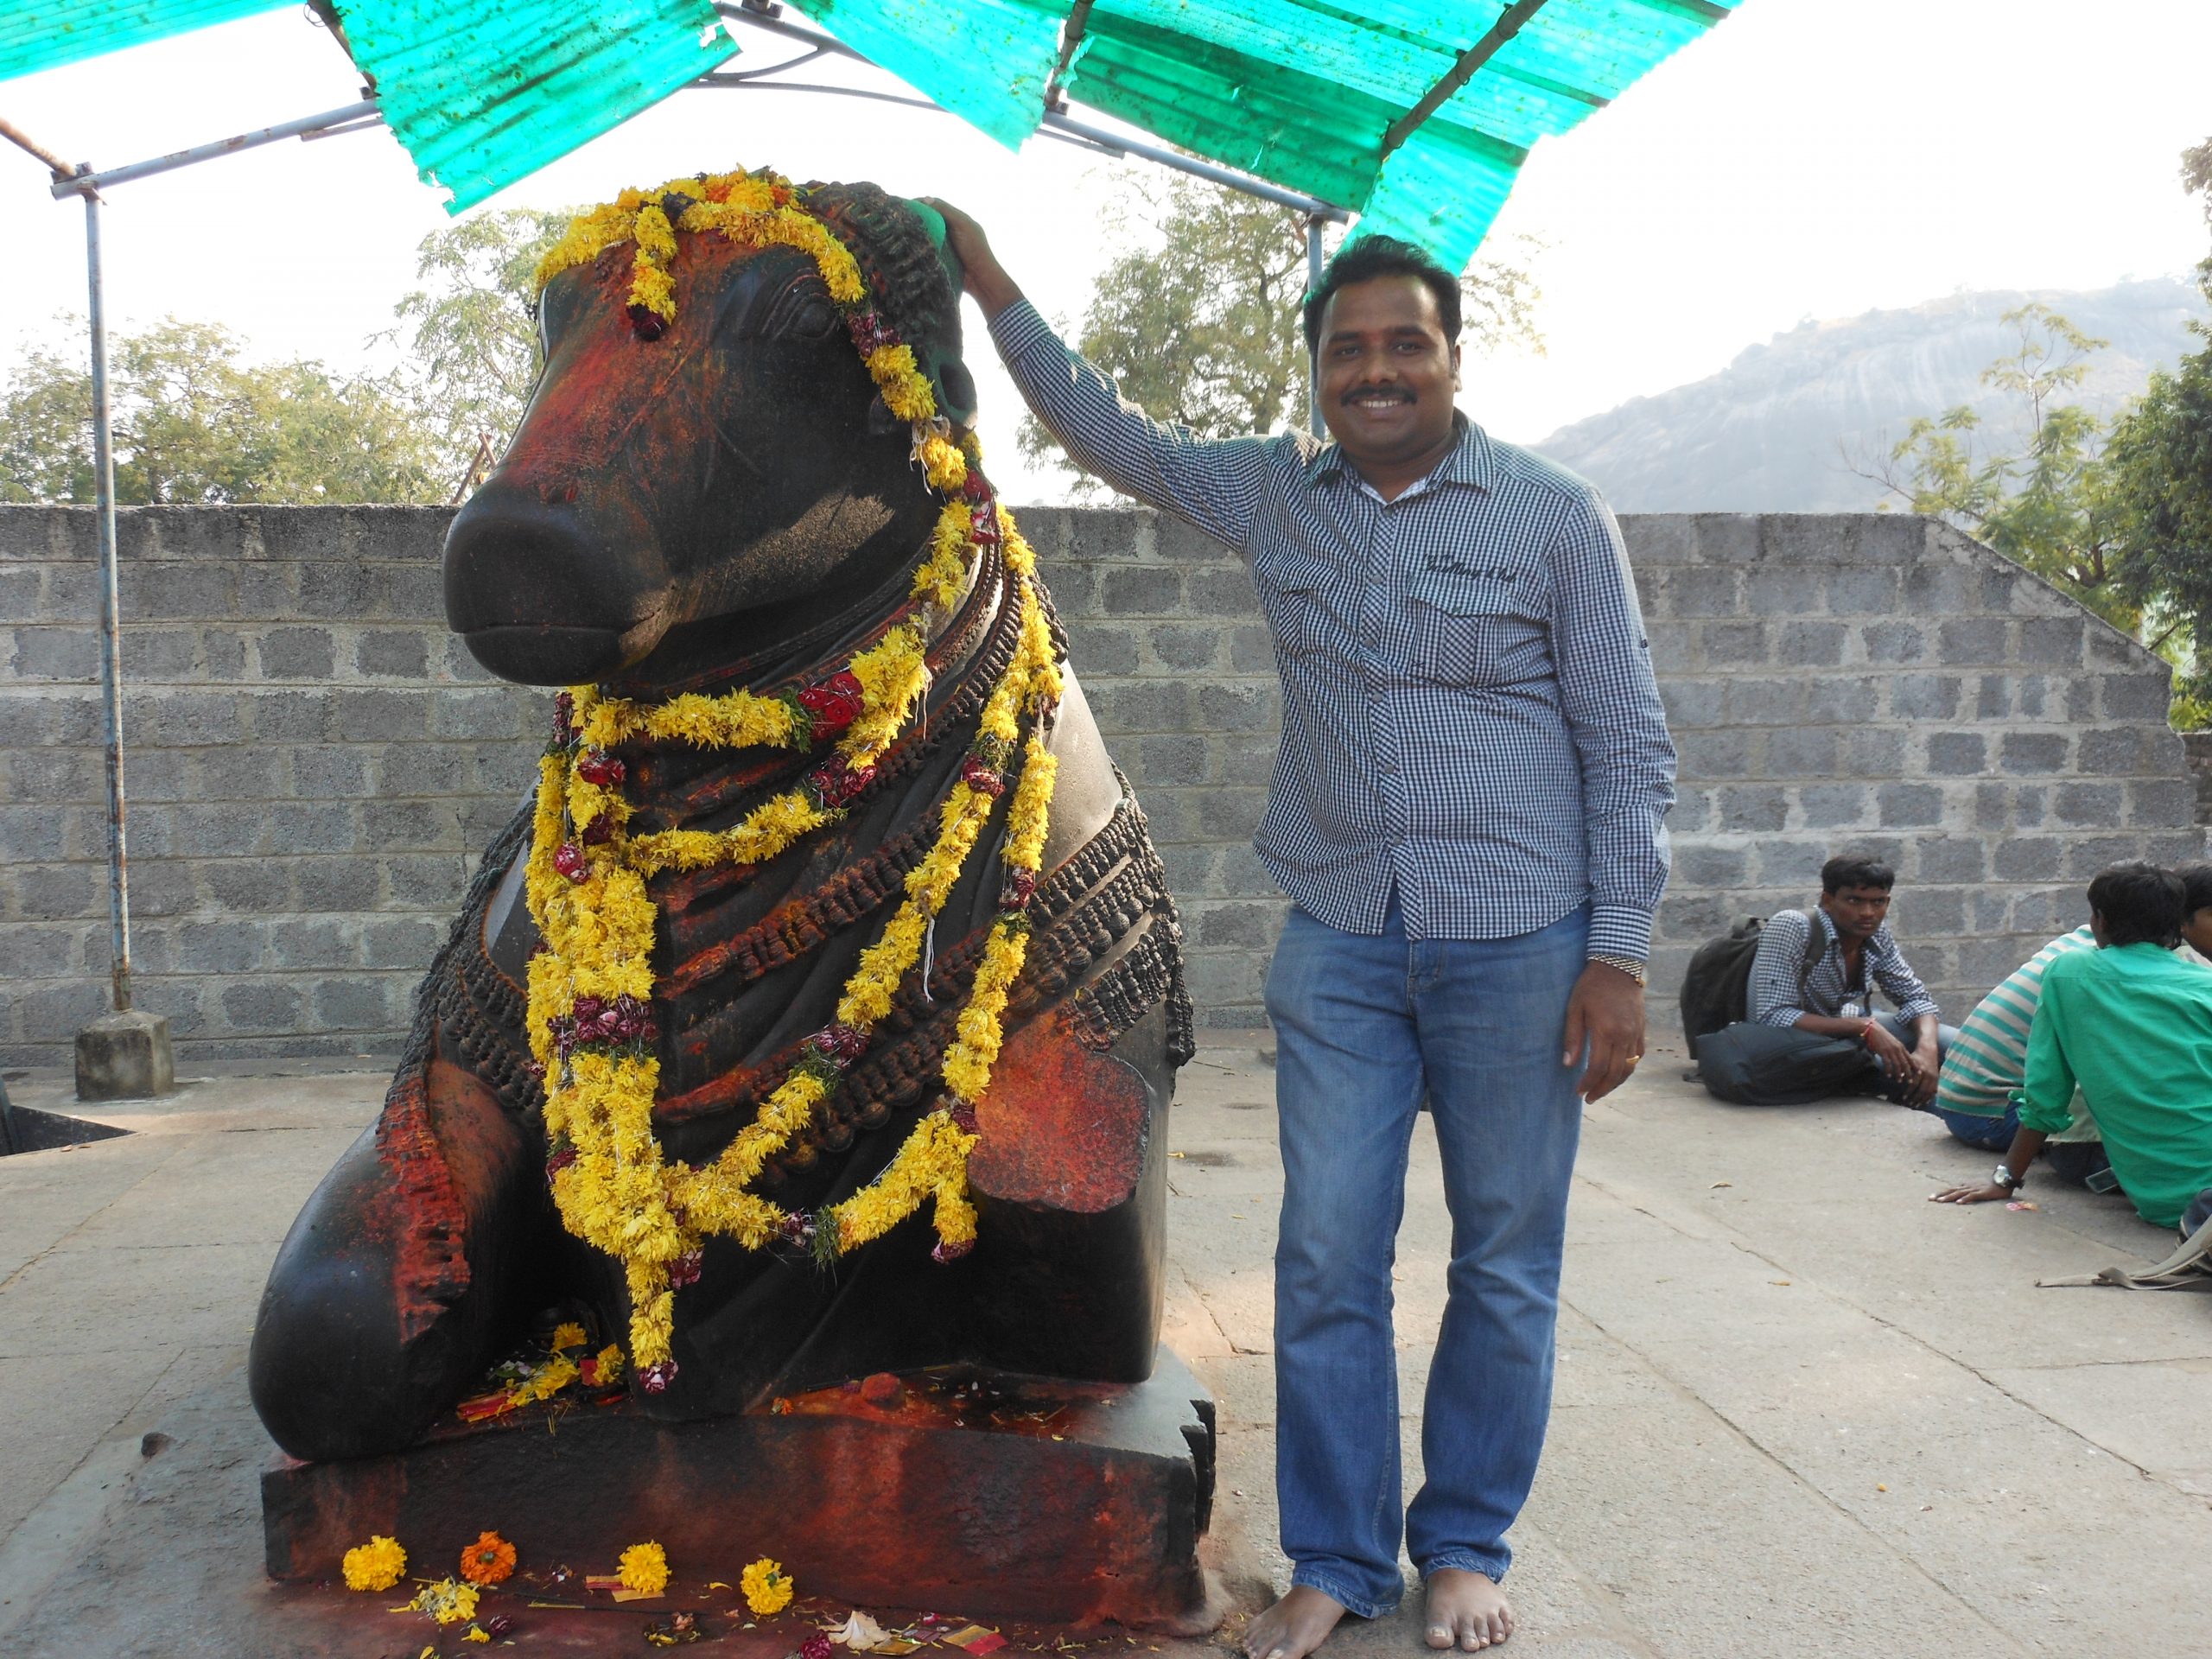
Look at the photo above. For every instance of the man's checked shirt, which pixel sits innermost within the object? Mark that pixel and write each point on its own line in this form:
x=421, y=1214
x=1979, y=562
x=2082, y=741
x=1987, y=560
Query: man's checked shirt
x=1776, y=998
x=1469, y=719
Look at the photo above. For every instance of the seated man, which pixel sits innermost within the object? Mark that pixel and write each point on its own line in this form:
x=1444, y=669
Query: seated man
x=1984, y=1067
x=2131, y=1024
x=1976, y=1095
x=1818, y=988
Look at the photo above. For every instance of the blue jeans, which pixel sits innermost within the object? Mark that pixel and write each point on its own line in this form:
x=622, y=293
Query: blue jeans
x=1984, y=1134
x=1365, y=1029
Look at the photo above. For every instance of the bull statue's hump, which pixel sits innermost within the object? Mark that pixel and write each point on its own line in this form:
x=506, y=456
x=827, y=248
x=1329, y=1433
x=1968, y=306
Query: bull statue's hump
x=902, y=1002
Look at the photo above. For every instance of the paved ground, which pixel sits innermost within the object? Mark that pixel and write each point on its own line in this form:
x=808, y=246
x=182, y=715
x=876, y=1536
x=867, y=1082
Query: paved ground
x=1801, y=1411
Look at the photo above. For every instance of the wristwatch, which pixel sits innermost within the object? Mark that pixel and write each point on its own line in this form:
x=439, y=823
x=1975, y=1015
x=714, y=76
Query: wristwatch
x=1628, y=965
x=2003, y=1177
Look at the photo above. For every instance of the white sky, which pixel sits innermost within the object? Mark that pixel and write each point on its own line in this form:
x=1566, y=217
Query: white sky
x=1810, y=158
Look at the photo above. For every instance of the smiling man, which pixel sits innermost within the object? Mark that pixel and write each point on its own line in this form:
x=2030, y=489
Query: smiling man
x=1468, y=808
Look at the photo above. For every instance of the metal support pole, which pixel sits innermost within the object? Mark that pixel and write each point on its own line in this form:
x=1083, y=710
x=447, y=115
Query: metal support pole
x=1313, y=421
x=119, y=865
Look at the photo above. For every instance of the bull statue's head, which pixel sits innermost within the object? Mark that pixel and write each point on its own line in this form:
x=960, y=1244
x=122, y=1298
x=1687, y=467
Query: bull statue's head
x=687, y=492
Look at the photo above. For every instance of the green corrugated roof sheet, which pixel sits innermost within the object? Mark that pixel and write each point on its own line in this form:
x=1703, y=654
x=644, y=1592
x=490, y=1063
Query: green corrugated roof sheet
x=483, y=93
x=1301, y=92
x=38, y=35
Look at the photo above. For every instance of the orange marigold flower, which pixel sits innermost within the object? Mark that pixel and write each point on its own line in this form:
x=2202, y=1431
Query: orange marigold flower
x=490, y=1560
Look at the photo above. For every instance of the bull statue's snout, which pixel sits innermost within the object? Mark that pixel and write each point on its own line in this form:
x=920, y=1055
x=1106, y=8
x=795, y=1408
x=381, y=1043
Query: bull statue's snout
x=546, y=590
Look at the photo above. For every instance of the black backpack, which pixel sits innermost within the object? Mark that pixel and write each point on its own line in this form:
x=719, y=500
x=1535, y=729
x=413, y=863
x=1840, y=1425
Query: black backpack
x=1716, y=991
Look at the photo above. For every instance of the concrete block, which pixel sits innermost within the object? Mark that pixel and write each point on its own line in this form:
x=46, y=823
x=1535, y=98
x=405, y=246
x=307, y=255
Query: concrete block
x=1924, y=696
x=1753, y=807
x=1142, y=590
x=219, y=947
x=56, y=654
x=2163, y=802
x=1225, y=813
x=1715, y=754
x=239, y=771
x=1870, y=752
x=285, y=716
x=1992, y=697
x=2135, y=696
x=1694, y=702
x=1737, y=537
x=32, y=834
x=337, y=884
x=2028, y=858
x=316, y=942
x=58, y=892
x=1835, y=806
x=1699, y=590
x=1097, y=648
x=406, y=942
x=1909, y=806
x=1694, y=811
x=1730, y=644
x=2108, y=647
x=1240, y=760
x=1862, y=591
x=413, y=592
x=1793, y=866
x=393, y=653
x=1940, y=912
x=2035, y=753
x=1811, y=645
x=262, y=1006
x=414, y=826
x=331, y=770
x=353, y=1002
x=126, y=1056
x=2030, y=806
x=336, y=589
x=164, y=592
x=1965, y=642
x=297, y=654
x=2111, y=751
x=2052, y=641
x=1186, y=647
x=314, y=826
x=1932, y=587
x=1181, y=543
x=1247, y=706
x=1956, y=755
x=2091, y=854
x=1124, y=708
x=256, y=886
x=350, y=716
x=1952, y=858
x=1844, y=699
x=1709, y=867
x=1782, y=590
x=1164, y=760
x=1762, y=700
x=1894, y=642
x=1993, y=806
x=181, y=720
x=2089, y=806
x=1225, y=592
x=493, y=713
x=424, y=881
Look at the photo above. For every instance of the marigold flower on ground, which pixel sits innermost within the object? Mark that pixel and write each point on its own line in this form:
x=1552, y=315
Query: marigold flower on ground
x=490, y=1560
x=376, y=1564
x=644, y=1569
x=568, y=1336
x=448, y=1601
x=766, y=1590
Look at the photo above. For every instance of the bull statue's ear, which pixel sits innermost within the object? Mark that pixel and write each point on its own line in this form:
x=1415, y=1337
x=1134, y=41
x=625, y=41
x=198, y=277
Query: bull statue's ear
x=949, y=377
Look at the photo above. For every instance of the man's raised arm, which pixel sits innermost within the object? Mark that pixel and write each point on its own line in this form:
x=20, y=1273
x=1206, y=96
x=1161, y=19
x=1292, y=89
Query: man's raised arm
x=1213, y=483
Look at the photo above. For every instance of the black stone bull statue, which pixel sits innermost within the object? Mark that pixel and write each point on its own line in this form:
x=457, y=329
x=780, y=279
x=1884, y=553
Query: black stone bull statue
x=731, y=504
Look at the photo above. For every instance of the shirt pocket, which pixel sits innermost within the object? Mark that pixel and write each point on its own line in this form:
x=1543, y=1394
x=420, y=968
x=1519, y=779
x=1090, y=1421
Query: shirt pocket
x=1477, y=630
x=1294, y=592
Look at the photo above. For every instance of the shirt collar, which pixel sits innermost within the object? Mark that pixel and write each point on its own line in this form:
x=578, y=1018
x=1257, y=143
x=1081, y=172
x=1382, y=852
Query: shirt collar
x=1473, y=461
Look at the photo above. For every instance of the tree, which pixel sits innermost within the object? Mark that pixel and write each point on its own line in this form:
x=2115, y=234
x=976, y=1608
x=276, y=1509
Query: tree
x=472, y=327
x=2050, y=505
x=1197, y=321
x=192, y=424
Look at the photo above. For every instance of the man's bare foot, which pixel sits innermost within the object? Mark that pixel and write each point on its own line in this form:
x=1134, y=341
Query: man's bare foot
x=1294, y=1626
x=1467, y=1610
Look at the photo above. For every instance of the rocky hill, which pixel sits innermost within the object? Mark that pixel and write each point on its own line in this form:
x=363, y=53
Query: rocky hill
x=1780, y=428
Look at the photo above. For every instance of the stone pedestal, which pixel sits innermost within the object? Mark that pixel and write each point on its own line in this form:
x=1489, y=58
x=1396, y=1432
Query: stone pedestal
x=126, y=1056
x=996, y=1496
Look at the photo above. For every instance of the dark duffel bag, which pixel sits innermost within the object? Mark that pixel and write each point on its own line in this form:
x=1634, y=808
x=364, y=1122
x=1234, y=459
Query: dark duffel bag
x=1770, y=1065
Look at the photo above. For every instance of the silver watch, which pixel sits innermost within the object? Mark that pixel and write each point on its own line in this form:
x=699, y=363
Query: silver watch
x=2005, y=1177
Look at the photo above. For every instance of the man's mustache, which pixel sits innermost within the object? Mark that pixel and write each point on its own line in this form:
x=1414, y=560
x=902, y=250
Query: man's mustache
x=1396, y=394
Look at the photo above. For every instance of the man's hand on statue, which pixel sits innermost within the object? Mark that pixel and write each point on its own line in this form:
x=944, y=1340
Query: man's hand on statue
x=1979, y=1193
x=985, y=278
x=1605, y=1016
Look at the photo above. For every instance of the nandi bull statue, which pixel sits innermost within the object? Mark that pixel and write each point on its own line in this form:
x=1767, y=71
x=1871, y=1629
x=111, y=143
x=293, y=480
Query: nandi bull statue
x=818, y=1017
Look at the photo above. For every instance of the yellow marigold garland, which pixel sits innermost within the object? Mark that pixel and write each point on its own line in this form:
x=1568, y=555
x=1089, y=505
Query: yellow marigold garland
x=590, y=990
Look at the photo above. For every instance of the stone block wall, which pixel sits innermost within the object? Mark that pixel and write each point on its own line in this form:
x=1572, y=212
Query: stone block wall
x=314, y=763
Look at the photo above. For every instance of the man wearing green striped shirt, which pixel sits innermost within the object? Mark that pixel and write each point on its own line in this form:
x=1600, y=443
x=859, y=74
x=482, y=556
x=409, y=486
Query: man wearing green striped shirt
x=2131, y=1023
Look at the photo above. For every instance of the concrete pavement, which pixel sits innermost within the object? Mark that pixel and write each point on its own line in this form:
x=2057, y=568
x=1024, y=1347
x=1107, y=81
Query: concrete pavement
x=1800, y=1410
